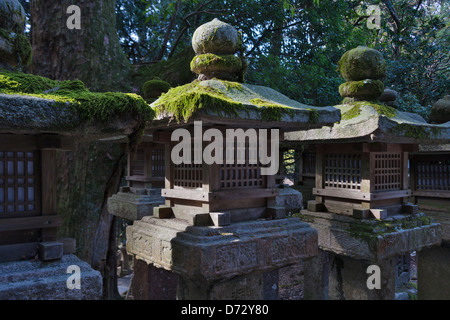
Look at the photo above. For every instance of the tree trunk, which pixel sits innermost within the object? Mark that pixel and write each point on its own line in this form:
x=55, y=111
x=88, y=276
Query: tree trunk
x=92, y=172
x=91, y=54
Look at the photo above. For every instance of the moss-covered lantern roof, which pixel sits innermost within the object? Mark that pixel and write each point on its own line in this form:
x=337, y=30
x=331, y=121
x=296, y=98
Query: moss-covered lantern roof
x=367, y=112
x=32, y=104
x=219, y=95
x=237, y=104
x=365, y=121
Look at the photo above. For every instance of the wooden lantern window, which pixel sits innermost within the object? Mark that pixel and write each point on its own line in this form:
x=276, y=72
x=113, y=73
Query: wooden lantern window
x=19, y=184
x=432, y=174
x=146, y=166
x=362, y=177
x=342, y=171
x=28, y=205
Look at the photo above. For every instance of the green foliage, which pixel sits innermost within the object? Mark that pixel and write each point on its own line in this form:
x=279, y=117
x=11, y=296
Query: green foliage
x=294, y=46
x=90, y=106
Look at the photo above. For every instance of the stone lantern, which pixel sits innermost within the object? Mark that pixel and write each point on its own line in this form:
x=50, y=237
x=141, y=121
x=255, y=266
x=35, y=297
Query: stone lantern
x=219, y=234
x=361, y=208
x=39, y=118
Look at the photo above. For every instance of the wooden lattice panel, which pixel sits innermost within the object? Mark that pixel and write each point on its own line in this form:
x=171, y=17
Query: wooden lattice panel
x=243, y=176
x=19, y=183
x=158, y=163
x=433, y=175
x=343, y=171
x=387, y=171
x=188, y=175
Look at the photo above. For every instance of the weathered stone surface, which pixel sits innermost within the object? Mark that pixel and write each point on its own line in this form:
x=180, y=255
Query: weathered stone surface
x=335, y=235
x=215, y=37
x=440, y=112
x=362, y=63
x=26, y=280
x=388, y=95
x=132, y=206
x=290, y=199
x=374, y=126
x=213, y=253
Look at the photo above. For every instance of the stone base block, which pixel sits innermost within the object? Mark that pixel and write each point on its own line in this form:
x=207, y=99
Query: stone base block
x=131, y=204
x=26, y=280
x=207, y=256
x=370, y=239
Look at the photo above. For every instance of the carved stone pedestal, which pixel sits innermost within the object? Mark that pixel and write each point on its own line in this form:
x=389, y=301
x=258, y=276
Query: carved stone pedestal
x=238, y=261
x=352, y=245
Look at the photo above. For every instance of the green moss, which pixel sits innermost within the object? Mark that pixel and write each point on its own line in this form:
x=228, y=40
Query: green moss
x=271, y=111
x=22, y=48
x=416, y=132
x=378, y=107
x=232, y=85
x=90, y=106
x=212, y=62
x=366, y=89
x=183, y=101
x=370, y=231
x=313, y=116
x=303, y=217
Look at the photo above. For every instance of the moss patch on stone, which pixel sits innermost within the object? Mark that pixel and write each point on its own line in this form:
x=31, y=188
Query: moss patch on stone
x=369, y=231
x=363, y=89
x=90, y=106
x=183, y=101
x=416, y=132
x=378, y=107
x=272, y=111
x=208, y=62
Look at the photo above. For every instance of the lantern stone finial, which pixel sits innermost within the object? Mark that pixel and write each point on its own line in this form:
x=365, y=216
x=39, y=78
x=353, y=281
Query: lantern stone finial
x=215, y=44
x=362, y=68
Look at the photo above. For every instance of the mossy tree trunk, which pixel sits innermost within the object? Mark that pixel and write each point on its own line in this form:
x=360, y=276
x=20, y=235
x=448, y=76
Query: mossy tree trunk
x=92, y=172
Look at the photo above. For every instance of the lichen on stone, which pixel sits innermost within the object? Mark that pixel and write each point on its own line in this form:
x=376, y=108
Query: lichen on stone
x=416, y=132
x=355, y=111
x=366, y=89
x=370, y=231
x=271, y=110
x=212, y=62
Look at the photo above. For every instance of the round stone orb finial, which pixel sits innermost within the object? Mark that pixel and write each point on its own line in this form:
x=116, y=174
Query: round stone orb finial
x=362, y=63
x=12, y=16
x=215, y=37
